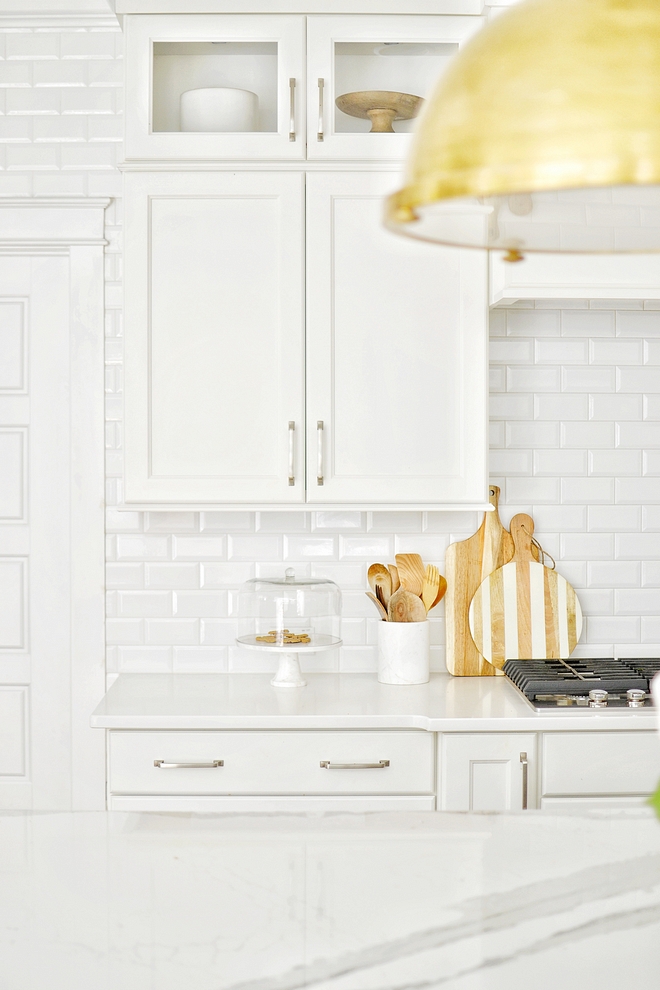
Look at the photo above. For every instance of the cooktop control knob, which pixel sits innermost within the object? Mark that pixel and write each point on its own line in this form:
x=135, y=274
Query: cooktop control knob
x=597, y=699
x=635, y=697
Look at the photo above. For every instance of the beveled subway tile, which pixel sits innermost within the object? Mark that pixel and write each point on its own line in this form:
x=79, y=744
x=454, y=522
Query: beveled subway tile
x=310, y=547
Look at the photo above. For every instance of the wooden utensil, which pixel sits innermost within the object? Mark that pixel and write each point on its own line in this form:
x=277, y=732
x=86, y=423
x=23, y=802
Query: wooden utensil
x=442, y=588
x=467, y=563
x=406, y=607
x=430, y=586
x=411, y=572
x=394, y=574
x=524, y=610
x=381, y=611
x=379, y=577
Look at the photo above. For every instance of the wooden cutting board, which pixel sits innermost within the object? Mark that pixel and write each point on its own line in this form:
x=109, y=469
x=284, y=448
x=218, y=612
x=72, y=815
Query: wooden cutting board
x=467, y=563
x=524, y=610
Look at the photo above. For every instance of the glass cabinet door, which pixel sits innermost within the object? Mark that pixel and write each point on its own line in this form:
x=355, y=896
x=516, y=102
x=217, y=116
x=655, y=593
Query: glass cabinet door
x=206, y=87
x=368, y=77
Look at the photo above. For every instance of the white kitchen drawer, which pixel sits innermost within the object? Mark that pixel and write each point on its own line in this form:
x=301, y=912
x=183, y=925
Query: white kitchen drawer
x=584, y=763
x=264, y=762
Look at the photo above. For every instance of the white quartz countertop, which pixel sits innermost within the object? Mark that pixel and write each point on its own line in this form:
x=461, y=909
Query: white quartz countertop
x=338, y=701
x=398, y=901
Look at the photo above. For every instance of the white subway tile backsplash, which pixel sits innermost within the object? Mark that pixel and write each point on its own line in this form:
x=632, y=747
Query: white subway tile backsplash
x=638, y=434
x=511, y=462
x=587, y=546
x=200, y=604
x=216, y=632
x=615, y=407
x=395, y=522
x=561, y=406
x=511, y=351
x=170, y=576
x=596, y=601
x=144, y=604
x=282, y=522
x=533, y=379
x=638, y=490
x=199, y=547
x=199, y=660
x=613, y=574
x=310, y=547
x=339, y=520
x=560, y=518
x=651, y=462
x=615, y=462
x=637, y=324
x=616, y=351
x=578, y=323
x=511, y=405
x=532, y=490
x=172, y=631
x=587, y=435
x=532, y=323
x=216, y=575
x=587, y=490
x=559, y=462
x=650, y=574
x=430, y=548
x=227, y=522
x=561, y=351
x=32, y=45
x=612, y=629
x=588, y=379
x=372, y=548
x=532, y=435
x=142, y=547
x=641, y=601
x=171, y=522
x=614, y=518
x=637, y=546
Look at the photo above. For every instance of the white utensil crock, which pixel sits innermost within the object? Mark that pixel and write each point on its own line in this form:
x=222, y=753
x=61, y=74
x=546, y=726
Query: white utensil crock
x=403, y=652
x=219, y=109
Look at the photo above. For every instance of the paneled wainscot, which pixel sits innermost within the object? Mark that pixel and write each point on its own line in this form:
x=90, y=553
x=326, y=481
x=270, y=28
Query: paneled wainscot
x=218, y=742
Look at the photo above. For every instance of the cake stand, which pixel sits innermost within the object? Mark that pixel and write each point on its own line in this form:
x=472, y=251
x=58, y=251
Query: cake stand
x=380, y=107
x=289, y=674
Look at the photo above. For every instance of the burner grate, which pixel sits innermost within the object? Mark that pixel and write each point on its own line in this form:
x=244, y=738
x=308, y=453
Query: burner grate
x=579, y=676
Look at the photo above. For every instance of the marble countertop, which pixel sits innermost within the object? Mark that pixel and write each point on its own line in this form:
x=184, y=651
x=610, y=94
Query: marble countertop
x=403, y=901
x=340, y=701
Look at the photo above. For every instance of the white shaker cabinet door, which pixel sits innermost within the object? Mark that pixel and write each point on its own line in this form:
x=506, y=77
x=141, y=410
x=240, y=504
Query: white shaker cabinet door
x=214, y=337
x=487, y=771
x=396, y=354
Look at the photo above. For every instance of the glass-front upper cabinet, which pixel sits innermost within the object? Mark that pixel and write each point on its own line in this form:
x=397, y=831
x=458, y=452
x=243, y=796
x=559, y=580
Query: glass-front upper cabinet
x=215, y=86
x=368, y=77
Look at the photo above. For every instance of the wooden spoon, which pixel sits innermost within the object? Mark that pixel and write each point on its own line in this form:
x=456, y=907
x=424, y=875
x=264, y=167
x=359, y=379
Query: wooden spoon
x=406, y=607
x=379, y=577
x=381, y=611
x=411, y=572
x=430, y=586
x=442, y=587
x=394, y=574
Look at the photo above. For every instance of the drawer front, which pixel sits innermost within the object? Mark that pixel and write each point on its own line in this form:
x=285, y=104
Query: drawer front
x=262, y=762
x=586, y=763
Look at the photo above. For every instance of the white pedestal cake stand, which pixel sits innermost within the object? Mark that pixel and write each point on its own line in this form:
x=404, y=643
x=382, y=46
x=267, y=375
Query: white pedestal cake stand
x=288, y=673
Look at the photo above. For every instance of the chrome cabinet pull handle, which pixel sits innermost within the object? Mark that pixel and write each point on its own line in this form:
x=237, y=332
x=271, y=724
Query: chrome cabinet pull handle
x=327, y=765
x=319, y=134
x=319, y=452
x=523, y=760
x=292, y=109
x=163, y=765
x=292, y=432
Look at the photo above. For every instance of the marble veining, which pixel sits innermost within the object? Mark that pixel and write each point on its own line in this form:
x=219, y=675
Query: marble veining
x=379, y=901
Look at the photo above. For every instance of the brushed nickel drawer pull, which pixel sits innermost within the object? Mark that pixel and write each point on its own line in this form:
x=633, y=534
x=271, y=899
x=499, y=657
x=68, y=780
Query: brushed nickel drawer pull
x=319, y=133
x=292, y=441
x=327, y=765
x=163, y=765
x=523, y=760
x=319, y=452
x=292, y=109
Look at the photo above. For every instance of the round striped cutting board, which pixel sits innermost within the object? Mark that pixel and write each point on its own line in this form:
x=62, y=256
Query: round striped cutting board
x=524, y=610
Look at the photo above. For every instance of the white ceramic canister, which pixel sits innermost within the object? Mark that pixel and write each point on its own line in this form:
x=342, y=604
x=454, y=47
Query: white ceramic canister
x=403, y=652
x=219, y=109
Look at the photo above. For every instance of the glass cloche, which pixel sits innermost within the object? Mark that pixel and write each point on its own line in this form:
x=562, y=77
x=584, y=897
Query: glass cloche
x=288, y=616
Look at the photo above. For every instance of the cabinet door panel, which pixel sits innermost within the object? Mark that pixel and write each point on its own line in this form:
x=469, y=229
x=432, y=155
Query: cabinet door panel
x=168, y=54
x=483, y=771
x=584, y=763
x=396, y=354
x=214, y=337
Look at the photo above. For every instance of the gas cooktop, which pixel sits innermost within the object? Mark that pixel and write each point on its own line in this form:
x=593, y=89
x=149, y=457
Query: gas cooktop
x=593, y=684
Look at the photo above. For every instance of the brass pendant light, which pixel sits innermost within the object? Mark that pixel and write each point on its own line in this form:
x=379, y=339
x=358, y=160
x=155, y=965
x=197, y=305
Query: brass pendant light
x=543, y=135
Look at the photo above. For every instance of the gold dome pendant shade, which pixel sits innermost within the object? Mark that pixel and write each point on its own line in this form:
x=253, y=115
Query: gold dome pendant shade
x=543, y=135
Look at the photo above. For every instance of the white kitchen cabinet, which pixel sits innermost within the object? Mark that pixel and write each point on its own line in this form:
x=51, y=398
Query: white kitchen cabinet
x=395, y=372
x=601, y=764
x=487, y=771
x=347, y=54
x=574, y=276
x=396, y=355
x=168, y=54
x=214, y=334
